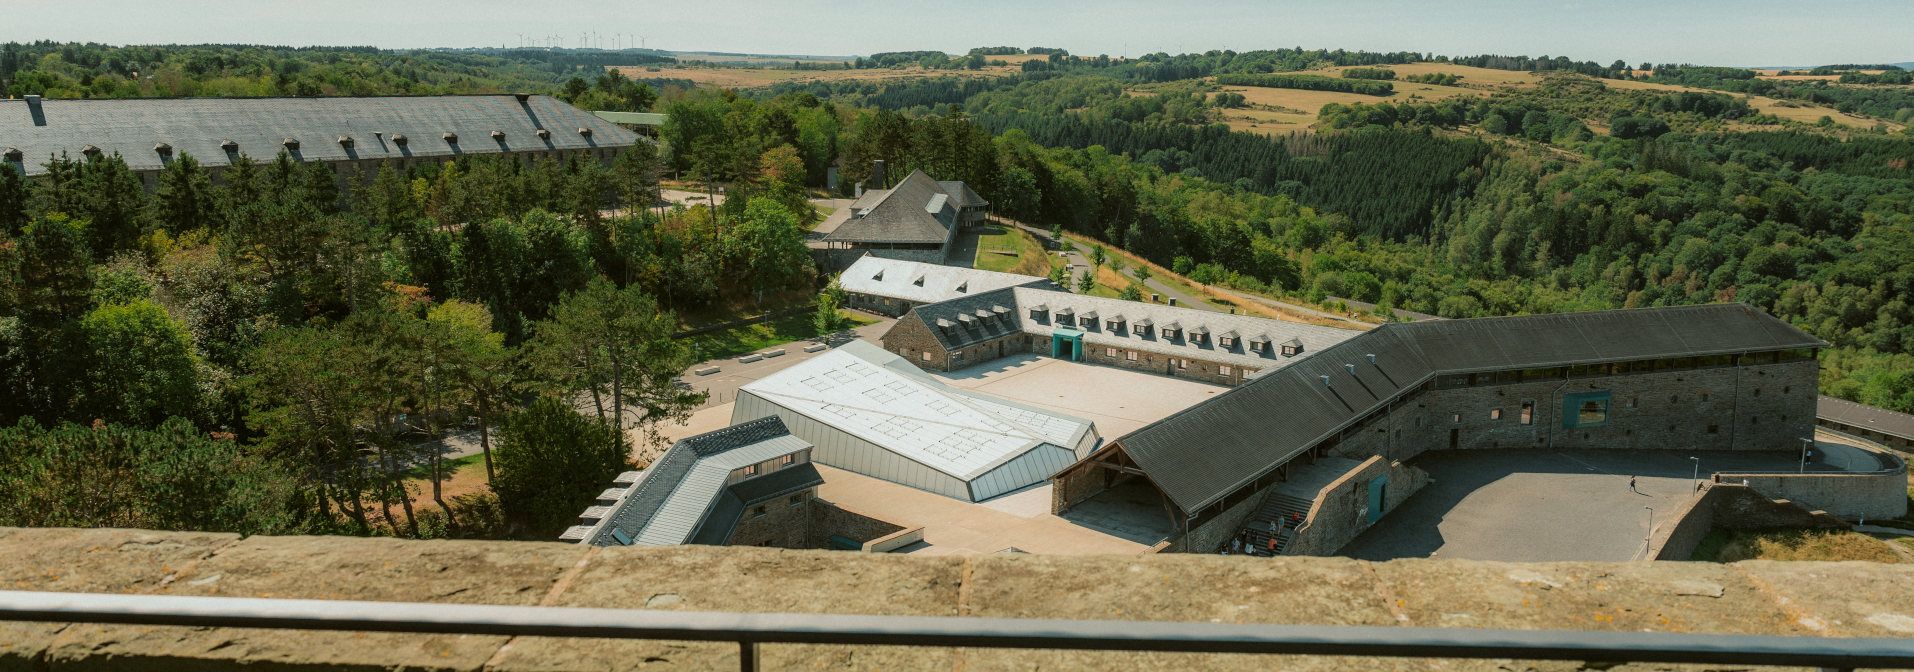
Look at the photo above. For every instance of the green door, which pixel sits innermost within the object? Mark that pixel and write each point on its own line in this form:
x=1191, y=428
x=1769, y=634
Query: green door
x=1378, y=495
x=1067, y=344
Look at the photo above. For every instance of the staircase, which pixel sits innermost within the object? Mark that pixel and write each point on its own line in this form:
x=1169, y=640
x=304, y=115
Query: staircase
x=1281, y=511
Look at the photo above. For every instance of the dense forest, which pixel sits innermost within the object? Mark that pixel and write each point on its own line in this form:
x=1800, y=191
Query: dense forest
x=292, y=342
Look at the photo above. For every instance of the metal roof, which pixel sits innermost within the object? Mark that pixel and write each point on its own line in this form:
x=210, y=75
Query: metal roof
x=858, y=389
x=1891, y=423
x=916, y=211
x=672, y=498
x=897, y=279
x=1207, y=451
x=311, y=129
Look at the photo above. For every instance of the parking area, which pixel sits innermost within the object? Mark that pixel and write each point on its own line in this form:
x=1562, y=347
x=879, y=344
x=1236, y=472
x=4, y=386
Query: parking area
x=1540, y=506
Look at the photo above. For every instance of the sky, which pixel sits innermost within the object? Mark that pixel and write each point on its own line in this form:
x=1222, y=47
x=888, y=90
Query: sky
x=1714, y=32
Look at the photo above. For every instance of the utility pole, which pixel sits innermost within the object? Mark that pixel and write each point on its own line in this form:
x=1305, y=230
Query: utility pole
x=1647, y=537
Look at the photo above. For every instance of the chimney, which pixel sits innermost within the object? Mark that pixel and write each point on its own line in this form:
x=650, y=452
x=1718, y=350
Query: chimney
x=877, y=175
x=33, y=108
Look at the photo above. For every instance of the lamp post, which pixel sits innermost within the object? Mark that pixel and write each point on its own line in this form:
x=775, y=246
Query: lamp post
x=1697, y=477
x=1648, y=537
x=1805, y=444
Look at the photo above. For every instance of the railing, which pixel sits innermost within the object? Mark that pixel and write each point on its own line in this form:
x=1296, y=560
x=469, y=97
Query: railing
x=750, y=631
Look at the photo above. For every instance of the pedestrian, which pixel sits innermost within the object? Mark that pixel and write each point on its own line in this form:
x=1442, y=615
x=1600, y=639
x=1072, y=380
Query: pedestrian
x=1631, y=485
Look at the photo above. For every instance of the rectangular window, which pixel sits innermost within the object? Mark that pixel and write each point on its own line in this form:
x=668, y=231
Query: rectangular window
x=1528, y=413
x=786, y=461
x=751, y=470
x=1130, y=355
x=1110, y=352
x=1182, y=363
x=759, y=512
x=1495, y=414
x=925, y=355
x=1585, y=409
x=1223, y=369
x=798, y=498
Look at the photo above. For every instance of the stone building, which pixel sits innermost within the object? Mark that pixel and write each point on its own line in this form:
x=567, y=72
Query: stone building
x=750, y=484
x=1888, y=428
x=894, y=286
x=1182, y=342
x=917, y=221
x=1714, y=377
x=355, y=135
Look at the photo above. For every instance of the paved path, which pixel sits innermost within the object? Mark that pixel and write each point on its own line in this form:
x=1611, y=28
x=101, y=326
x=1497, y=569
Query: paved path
x=1072, y=256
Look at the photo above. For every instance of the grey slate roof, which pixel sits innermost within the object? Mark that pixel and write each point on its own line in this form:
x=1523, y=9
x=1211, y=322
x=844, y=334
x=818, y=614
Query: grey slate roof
x=725, y=515
x=1207, y=451
x=675, y=496
x=899, y=279
x=260, y=127
x=901, y=215
x=1891, y=423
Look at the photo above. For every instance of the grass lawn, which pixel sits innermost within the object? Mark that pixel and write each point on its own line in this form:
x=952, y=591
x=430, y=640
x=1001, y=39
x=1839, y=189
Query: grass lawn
x=1829, y=545
x=1007, y=249
x=751, y=338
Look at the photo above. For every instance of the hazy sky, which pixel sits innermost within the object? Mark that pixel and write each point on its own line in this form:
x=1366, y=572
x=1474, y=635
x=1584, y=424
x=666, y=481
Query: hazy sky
x=1722, y=32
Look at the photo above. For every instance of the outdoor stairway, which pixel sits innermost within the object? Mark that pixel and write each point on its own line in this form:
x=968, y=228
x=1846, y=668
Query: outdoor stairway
x=1279, y=507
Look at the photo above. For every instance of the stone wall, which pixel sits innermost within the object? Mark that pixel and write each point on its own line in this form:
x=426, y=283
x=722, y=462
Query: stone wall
x=780, y=523
x=1729, y=507
x=1161, y=364
x=1852, y=496
x=828, y=520
x=1764, y=407
x=1796, y=599
x=1215, y=532
x=1340, y=510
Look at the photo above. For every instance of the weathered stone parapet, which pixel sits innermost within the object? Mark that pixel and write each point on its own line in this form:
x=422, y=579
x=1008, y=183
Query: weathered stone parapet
x=1811, y=599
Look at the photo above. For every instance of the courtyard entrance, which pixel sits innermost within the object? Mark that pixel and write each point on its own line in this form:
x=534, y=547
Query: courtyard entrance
x=1067, y=344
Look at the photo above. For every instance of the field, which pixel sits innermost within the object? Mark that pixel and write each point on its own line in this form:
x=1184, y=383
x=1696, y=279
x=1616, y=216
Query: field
x=1803, y=112
x=745, y=78
x=1725, y=546
x=1285, y=111
x=1008, y=249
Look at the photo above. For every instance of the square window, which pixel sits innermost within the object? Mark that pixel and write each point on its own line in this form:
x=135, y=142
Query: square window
x=1110, y=352
x=786, y=461
x=925, y=355
x=759, y=512
x=798, y=498
x=751, y=470
x=1495, y=414
x=1223, y=369
x=1130, y=355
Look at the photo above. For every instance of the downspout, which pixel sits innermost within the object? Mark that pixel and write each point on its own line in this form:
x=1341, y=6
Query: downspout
x=1555, y=402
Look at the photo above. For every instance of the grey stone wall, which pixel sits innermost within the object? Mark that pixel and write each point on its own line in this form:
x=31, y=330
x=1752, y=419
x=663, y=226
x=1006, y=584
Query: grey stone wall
x=1848, y=495
x=910, y=338
x=1151, y=362
x=1766, y=407
x=1213, y=533
x=881, y=305
x=781, y=523
x=1780, y=598
x=1340, y=511
x=1730, y=507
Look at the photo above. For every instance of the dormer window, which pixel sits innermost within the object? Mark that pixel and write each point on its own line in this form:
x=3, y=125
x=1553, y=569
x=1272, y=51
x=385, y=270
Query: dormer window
x=1037, y=310
x=292, y=144
x=584, y=131
x=345, y=141
x=451, y=138
x=498, y=135
x=879, y=277
x=398, y=139
x=1292, y=347
x=90, y=150
x=163, y=149
x=543, y=134
x=229, y=146
x=918, y=281
x=963, y=288
x=1227, y=339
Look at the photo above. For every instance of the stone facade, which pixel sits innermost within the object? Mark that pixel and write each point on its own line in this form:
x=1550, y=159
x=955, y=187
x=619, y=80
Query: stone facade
x=911, y=339
x=1761, y=407
x=783, y=522
x=1341, y=510
x=1730, y=506
x=1161, y=364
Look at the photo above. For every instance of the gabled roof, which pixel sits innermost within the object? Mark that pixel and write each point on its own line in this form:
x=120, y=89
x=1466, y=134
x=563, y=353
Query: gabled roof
x=961, y=195
x=917, y=210
x=320, y=128
x=899, y=279
x=673, y=499
x=1207, y=451
x=1891, y=423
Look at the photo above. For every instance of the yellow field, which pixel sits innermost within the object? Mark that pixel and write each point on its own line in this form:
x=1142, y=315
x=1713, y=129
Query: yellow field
x=1299, y=107
x=745, y=78
x=1803, y=112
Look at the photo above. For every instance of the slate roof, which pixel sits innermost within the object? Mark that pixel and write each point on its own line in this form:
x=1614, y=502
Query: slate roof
x=725, y=515
x=677, y=495
x=919, y=282
x=1891, y=423
x=260, y=128
x=917, y=210
x=1207, y=451
x=1092, y=315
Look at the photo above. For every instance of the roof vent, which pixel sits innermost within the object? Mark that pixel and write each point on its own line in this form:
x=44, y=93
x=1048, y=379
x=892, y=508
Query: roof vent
x=229, y=146
x=90, y=150
x=498, y=135
x=450, y=137
x=1351, y=368
x=584, y=131
x=1372, y=359
x=522, y=97
x=345, y=141
x=544, y=134
x=33, y=109
x=163, y=148
x=1326, y=382
x=291, y=143
x=398, y=139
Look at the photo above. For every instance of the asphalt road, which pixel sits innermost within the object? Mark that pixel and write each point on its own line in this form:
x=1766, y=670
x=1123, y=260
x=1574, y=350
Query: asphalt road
x=1536, y=506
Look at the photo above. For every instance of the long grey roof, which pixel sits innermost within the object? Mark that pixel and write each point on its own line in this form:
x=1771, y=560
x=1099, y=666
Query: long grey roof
x=1891, y=423
x=673, y=498
x=920, y=282
x=917, y=210
x=1207, y=451
x=261, y=127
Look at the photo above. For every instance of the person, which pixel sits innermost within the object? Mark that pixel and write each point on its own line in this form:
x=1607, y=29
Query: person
x=1631, y=485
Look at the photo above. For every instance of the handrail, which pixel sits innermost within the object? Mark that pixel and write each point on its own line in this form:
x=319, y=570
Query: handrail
x=750, y=630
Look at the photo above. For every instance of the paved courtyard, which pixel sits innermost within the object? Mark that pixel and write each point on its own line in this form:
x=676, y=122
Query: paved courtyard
x=1537, y=506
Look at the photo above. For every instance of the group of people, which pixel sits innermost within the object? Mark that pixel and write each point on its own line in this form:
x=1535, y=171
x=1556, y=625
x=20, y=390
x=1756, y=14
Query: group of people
x=1245, y=544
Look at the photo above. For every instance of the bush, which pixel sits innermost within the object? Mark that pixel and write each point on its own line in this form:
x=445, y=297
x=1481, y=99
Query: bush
x=552, y=461
x=1310, y=83
x=1369, y=73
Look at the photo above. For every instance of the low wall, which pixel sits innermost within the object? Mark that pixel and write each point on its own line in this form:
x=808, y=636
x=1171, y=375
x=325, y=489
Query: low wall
x=1729, y=507
x=830, y=520
x=1856, y=494
x=1340, y=511
x=1848, y=599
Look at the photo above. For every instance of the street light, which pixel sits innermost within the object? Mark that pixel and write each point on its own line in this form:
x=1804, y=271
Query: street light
x=1806, y=443
x=1697, y=477
x=1648, y=536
